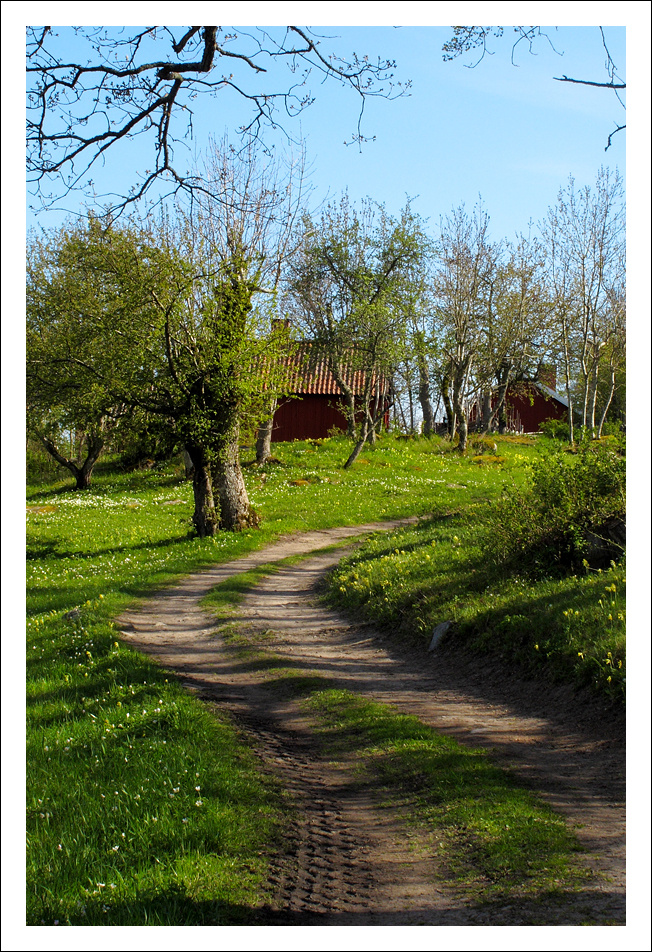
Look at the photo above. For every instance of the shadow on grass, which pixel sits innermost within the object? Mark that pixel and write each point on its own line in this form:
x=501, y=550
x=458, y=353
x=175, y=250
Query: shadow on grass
x=44, y=550
x=169, y=907
x=98, y=487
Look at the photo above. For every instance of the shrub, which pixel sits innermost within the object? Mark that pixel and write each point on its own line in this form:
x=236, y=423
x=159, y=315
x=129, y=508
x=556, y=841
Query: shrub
x=544, y=526
x=40, y=466
x=555, y=429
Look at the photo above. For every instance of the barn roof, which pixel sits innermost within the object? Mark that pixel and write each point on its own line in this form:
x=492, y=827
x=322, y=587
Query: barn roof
x=553, y=394
x=308, y=373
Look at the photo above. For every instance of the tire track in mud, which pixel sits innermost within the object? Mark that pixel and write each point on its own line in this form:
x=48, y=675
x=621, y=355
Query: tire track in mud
x=348, y=860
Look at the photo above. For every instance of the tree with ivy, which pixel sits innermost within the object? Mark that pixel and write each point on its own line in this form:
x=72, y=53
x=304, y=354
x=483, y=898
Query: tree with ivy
x=169, y=311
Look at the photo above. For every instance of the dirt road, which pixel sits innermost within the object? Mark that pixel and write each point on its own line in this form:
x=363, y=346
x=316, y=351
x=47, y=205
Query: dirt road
x=349, y=860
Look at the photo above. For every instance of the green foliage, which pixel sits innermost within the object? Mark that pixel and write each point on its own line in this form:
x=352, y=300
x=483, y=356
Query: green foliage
x=349, y=288
x=542, y=528
x=555, y=429
x=40, y=466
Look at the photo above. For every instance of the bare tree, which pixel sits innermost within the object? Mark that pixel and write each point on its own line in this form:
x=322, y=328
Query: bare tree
x=515, y=337
x=89, y=89
x=585, y=239
x=464, y=278
x=477, y=38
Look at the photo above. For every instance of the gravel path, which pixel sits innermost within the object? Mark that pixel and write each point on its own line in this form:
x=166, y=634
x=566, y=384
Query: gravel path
x=349, y=861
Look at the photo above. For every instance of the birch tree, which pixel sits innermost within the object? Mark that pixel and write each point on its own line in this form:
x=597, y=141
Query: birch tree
x=464, y=278
x=585, y=238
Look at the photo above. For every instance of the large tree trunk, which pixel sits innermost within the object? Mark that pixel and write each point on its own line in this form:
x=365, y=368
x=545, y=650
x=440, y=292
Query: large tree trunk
x=612, y=389
x=487, y=416
x=424, y=396
x=448, y=406
x=460, y=414
x=205, y=518
x=461, y=420
x=83, y=473
x=357, y=449
x=236, y=512
x=500, y=410
x=264, y=438
x=373, y=420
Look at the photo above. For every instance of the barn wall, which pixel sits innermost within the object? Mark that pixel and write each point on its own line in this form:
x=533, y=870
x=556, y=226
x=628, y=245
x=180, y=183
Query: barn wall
x=531, y=414
x=307, y=418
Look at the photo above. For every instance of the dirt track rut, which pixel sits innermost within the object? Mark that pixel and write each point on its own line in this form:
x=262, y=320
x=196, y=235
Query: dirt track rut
x=348, y=859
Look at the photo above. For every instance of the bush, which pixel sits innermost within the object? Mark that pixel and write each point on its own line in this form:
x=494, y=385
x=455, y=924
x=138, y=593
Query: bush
x=482, y=444
x=544, y=527
x=555, y=430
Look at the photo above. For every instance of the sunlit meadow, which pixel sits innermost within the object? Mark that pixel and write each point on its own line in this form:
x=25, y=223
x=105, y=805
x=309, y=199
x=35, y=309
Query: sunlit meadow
x=143, y=806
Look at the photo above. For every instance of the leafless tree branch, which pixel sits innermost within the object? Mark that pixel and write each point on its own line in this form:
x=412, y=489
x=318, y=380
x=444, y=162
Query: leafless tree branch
x=120, y=86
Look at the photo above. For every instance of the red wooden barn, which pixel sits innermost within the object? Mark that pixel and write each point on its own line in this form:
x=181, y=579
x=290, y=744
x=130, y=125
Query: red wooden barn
x=316, y=404
x=529, y=404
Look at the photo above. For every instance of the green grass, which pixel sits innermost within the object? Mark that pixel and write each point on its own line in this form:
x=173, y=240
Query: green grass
x=115, y=747
x=143, y=807
x=568, y=629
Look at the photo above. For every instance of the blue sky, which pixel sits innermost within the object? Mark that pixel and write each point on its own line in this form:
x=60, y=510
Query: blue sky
x=509, y=133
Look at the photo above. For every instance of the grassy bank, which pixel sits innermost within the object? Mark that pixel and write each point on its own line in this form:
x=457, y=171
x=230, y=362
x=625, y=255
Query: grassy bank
x=565, y=623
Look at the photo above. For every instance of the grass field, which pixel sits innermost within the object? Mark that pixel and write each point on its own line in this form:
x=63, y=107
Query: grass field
x=143, y=808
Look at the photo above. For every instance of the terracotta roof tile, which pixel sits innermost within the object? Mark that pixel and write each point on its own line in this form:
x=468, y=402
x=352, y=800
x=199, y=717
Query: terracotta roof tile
x=309, y=373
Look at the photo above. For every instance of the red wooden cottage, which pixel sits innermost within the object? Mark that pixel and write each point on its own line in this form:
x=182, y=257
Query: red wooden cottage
x=527, y=405
x=316, y=405
x=531, y=404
